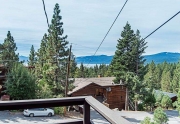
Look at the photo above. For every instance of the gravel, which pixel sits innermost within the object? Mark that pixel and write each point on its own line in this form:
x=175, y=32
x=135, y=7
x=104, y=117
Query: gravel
x=7, y=117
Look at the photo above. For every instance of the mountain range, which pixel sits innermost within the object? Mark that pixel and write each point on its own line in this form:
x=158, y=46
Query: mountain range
x=157, y=58
x=104, y=59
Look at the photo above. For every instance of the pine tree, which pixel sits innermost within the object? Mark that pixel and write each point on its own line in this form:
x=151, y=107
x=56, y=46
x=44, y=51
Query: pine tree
x=138, y=48
x=128, y=56
x=73, y=67
x=41, y=54
x=8, y=51
x=32, y=57
x=160, y=116
x=178, y=102
x=166, y=80
x=149, y=76
x=82, y=71
x=147, y=120
x=176, y=78
x=57, y=52
x=166, y=101
x=20, y=83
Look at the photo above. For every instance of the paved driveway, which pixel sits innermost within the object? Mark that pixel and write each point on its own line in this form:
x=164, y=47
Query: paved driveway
x=137, y=116
x=18, y=118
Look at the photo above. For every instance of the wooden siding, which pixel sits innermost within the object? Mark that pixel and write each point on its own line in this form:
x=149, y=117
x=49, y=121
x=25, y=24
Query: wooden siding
x=115, y=97
x=3, y=72
x=88, y=90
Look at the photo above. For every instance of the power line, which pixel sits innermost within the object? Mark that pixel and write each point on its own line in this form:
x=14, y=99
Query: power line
x=153, y=31
x=110, y=27
x=45, y=13
x=108, y=32
x=161, y=25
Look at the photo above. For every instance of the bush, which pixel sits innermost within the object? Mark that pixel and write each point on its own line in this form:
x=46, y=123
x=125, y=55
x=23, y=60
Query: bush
x=147, y=120
x=141, y=107
x=59, y=110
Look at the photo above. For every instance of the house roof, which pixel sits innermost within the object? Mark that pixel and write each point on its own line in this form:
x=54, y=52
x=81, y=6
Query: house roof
x=171, y=95
x=80, y=83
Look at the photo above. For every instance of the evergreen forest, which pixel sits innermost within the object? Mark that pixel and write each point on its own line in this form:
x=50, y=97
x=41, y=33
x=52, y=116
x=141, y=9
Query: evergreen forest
x=45, y=75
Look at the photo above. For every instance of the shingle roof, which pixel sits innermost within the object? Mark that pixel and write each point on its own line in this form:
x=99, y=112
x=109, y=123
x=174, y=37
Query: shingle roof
x=83, y=82
x=171, y=95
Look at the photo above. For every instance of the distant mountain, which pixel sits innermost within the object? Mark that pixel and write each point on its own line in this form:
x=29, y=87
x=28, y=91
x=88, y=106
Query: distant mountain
x=157, y=58
x=99, y=59
x=21, y=58
x=164, y=56
x=104, y=59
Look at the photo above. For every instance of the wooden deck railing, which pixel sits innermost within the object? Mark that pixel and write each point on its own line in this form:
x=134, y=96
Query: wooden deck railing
x=86, y=101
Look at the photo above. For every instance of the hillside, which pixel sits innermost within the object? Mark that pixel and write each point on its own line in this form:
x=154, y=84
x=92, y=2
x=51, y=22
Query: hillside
x=157, y=58
x=104, y=59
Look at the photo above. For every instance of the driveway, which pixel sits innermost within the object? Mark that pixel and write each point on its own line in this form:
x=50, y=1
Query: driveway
x=137, y=116
x=18, y=118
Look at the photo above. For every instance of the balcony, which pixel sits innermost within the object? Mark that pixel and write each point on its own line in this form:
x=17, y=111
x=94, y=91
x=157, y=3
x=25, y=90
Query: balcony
x=86, y=101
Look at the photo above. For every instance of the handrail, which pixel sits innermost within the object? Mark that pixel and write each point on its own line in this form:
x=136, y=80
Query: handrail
x=41, y=103
x=87, y=101
x=107, y=113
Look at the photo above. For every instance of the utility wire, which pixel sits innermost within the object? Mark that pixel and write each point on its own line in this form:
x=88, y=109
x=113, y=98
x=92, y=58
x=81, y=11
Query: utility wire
x=107, y=33
x=153, y=31
x=161, y=25
x=110, y=27
x=45, y=13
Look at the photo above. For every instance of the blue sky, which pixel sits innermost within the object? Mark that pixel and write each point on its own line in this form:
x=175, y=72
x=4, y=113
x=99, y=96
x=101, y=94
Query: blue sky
x=87, y=21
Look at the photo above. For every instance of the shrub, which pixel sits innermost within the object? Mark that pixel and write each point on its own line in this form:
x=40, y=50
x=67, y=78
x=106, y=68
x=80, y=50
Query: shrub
x=59, y=110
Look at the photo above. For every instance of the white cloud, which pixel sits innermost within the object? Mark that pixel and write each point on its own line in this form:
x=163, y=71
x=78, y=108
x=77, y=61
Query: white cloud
x=86, y=23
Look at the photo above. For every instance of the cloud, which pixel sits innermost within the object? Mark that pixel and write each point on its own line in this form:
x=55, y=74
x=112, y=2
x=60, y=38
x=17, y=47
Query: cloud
x=87, y=22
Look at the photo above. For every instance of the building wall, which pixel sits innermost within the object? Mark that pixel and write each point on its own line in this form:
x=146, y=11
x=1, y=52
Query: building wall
x=2, y=78
x=115, y=97
x=88, y=90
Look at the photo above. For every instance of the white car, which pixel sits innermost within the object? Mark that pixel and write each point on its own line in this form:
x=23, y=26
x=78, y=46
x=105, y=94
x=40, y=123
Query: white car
x=38, y=112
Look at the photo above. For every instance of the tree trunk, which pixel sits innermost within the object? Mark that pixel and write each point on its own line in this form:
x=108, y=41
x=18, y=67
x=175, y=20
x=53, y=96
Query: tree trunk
x=126, y=101
x=135, y=105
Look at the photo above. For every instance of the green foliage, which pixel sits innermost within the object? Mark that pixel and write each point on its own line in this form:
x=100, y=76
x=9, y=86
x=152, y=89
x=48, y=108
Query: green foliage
x=59, y=110
x=160, y=116
x=20, y=83
x=147, y=120
x=178, y=102
x=83, y=71
x=32, y=57
x=52, y=56
x=164, y=76
x=136, y=87
x=166, y=101
x=176, y=78
x=7, y=51
x=149, y=100
x=158, y=97
x=141, y=107
x=128, y=56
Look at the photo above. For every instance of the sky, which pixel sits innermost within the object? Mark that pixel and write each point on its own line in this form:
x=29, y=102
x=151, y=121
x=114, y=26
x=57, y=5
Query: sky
x=87, y=21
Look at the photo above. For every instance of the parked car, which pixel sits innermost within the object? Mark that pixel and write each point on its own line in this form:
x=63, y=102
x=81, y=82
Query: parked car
x=38, y=112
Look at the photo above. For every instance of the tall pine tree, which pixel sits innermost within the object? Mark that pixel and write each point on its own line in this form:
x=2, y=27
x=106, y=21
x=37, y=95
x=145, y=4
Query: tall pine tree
x=56, y=53
x=128, y=56
x=32, y=57
x=8, y=51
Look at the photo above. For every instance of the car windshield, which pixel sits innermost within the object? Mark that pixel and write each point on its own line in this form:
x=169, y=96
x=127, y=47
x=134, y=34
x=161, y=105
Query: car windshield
x=37, y=109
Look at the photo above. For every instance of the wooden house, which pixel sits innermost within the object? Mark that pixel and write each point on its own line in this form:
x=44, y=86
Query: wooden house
x=3, y=72
x=103, y=89
x=173, y=96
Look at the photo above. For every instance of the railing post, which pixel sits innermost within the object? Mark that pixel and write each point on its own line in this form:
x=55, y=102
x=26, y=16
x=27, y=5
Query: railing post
x=86, y=112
